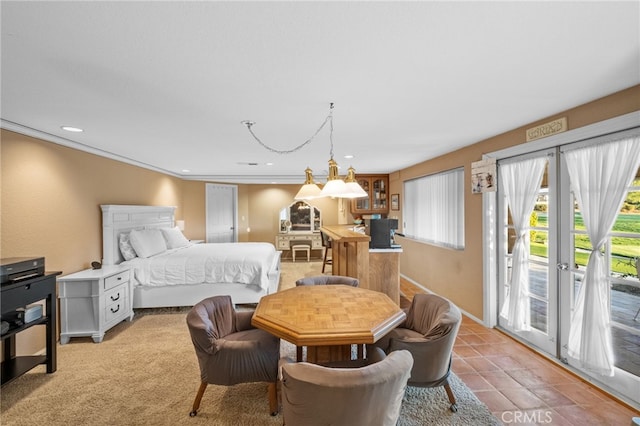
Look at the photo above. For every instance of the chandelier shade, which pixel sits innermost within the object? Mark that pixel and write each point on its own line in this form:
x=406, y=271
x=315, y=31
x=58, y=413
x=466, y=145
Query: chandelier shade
x=354, y=190
x=309, y=190
x=334, y=188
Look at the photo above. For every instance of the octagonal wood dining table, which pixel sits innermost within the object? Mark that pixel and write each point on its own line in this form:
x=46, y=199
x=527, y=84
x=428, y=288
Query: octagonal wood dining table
x=328, y=319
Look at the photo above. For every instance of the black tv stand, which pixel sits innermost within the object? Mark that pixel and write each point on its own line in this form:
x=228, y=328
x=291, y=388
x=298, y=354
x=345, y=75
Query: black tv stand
x=19, y=295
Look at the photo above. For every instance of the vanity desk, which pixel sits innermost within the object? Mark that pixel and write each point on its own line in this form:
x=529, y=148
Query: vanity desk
x=284, y=241
x=299, y=224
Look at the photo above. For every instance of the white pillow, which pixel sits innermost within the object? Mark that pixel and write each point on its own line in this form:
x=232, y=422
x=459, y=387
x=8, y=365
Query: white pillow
x=125, y=247
x=147, y=242
x=175, y=238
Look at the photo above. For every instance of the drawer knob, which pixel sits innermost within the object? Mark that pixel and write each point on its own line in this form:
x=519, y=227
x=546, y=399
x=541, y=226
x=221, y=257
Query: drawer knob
x=119, y=278
x=113, y=299
x=113, y=311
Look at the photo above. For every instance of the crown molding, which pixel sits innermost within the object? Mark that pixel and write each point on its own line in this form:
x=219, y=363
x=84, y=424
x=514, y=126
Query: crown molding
x=239, y=179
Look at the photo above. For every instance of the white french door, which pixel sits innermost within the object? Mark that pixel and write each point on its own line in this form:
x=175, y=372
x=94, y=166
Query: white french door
x=540, y=266
x=622, y=262
x=558, y=252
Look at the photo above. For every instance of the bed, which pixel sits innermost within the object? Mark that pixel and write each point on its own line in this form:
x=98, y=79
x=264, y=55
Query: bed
x=183, y=273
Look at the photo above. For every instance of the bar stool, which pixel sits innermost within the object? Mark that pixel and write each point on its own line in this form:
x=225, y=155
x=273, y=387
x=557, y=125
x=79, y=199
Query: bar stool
x=300, y=246
x=326, y=243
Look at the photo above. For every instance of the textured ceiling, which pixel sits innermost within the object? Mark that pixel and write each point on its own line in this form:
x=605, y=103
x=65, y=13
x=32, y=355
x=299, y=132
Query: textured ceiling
x=167, y=84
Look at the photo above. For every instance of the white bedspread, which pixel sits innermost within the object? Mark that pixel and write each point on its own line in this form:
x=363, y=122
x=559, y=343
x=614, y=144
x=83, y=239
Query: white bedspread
x=244, y=263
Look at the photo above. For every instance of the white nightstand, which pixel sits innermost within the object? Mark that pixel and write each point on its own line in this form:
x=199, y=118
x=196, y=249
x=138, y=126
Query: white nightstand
x=92, y=301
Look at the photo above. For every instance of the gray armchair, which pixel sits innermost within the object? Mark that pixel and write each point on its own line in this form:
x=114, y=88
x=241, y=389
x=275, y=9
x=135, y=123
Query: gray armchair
x=370, y=395
x=428, y=333
x=230, y=350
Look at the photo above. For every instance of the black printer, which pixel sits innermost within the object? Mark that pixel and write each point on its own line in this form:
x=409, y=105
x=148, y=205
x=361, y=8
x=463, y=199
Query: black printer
x=16, y=269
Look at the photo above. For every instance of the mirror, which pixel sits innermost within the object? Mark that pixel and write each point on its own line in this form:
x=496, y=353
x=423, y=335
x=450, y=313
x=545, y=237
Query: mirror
x=300, y=217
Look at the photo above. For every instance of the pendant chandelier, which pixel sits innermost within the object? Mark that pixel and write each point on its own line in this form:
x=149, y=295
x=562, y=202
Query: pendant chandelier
x=336, y=186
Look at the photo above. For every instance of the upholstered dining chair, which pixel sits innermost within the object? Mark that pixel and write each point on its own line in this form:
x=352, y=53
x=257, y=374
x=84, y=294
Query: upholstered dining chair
x=328, y=280
x=230, y=350
x=371, y=395
x=428, y=333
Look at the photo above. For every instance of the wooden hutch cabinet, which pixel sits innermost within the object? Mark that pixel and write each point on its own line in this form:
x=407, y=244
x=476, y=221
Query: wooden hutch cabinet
x=377, y=186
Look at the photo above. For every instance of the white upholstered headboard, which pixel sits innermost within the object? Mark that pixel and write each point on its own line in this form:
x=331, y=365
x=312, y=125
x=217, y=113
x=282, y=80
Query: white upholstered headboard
x=117, y=219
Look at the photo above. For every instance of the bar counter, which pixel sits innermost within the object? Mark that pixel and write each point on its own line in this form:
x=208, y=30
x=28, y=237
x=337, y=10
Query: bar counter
x=376, y=269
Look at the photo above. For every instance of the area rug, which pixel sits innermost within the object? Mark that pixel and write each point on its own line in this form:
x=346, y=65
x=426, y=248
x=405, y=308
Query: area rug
x=146, y=373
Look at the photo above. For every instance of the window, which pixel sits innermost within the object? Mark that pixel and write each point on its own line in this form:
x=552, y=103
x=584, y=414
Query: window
x=434, y=209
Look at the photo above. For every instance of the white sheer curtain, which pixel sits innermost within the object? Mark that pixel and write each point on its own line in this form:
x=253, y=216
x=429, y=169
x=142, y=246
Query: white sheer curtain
x=600, y=176
x=520, y=183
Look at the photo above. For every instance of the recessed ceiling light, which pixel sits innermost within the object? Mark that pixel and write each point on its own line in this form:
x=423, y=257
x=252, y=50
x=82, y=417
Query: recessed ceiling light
x=185, y=170
x=269, y=164
x=348, y=156
x=71, y=129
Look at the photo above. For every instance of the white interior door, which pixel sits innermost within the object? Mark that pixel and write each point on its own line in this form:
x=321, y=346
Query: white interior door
x=222, y=217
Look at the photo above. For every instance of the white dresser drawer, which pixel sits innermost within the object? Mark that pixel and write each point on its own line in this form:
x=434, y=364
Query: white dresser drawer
x=116, y=294
x=116, y=309
x=283, y=244
x=115, y=280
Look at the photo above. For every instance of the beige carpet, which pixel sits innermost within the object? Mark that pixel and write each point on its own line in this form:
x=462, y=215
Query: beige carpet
x=145, y=373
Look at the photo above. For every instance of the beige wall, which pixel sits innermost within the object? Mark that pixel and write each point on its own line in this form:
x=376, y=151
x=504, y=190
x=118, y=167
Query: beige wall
x=51, y=195
x=265, y=202
x=51, y=198
x=258, y=210
x=458, y=274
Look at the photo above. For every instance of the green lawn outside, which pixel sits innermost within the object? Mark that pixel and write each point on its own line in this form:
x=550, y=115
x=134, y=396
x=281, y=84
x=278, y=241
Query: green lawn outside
x=624, y=250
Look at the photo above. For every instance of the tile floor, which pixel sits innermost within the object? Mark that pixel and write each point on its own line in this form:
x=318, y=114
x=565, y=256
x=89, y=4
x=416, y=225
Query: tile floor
x=523, y=388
